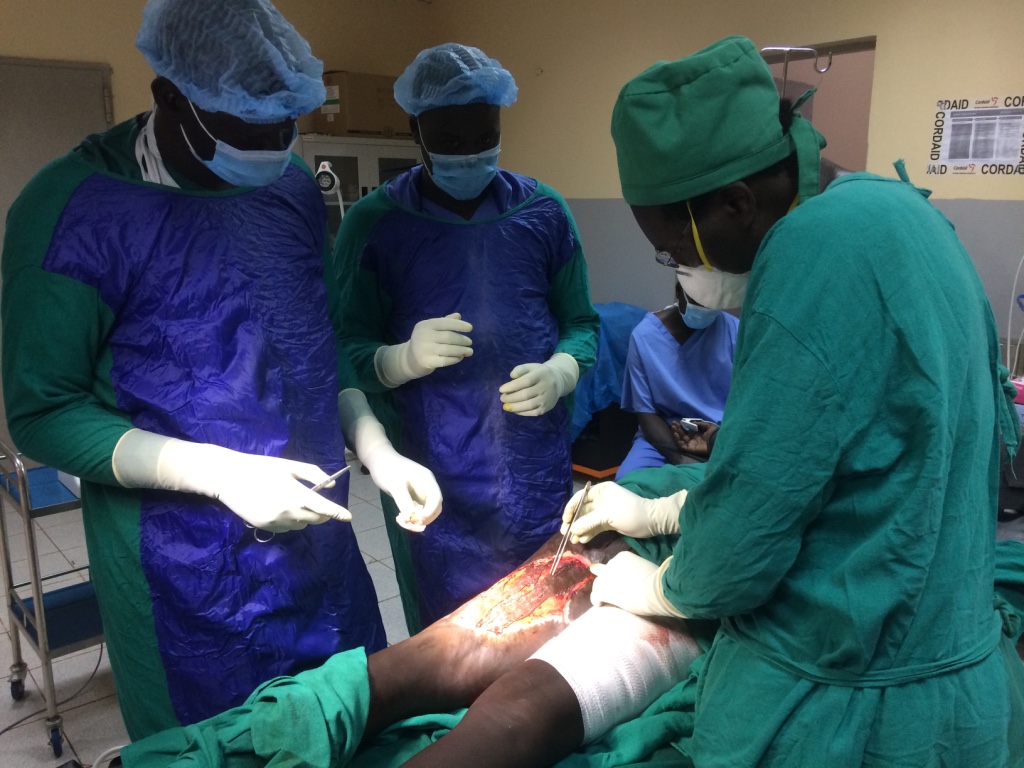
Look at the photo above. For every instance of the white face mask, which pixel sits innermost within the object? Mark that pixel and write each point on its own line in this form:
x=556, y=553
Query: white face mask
x=714, y=289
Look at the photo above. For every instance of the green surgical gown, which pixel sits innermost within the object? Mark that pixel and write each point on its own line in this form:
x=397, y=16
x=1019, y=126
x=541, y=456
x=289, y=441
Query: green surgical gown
x=845, y=530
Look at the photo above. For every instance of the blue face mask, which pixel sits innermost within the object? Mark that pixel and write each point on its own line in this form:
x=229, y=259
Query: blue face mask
x=698, y=317
x=244, y=167
x=464, y=177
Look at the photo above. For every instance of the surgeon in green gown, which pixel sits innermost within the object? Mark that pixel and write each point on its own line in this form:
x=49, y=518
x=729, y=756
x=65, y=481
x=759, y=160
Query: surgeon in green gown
x=844, y=534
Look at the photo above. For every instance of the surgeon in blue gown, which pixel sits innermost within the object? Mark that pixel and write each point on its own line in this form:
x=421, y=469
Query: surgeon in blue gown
x=166, y=339
x=465, y=310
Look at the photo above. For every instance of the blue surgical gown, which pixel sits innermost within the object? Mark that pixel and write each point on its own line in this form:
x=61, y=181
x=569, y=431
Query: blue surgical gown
x=201, y=316
x=516, y=271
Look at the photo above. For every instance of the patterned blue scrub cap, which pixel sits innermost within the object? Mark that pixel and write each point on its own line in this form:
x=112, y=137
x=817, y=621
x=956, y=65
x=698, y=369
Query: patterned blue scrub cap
x=236, y=56
x=453, y=74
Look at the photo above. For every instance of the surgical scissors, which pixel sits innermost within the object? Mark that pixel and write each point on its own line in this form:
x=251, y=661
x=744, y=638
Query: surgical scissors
x=318, y=487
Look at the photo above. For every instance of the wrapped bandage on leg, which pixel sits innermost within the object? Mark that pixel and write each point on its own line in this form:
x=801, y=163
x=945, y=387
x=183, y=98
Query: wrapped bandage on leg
x=617, y=664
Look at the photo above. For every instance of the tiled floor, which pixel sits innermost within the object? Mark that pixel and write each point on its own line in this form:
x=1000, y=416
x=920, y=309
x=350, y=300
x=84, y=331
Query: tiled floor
x=92, y=720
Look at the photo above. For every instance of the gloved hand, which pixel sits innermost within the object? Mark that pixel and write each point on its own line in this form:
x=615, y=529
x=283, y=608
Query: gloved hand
x=435, y=343
x=633, y=584
x=411, y=485
x=536, y=387
x=263, y=490
x=610, y=507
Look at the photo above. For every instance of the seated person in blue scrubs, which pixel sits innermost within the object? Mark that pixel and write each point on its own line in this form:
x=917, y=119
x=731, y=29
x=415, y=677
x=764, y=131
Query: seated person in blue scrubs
x=679, y=366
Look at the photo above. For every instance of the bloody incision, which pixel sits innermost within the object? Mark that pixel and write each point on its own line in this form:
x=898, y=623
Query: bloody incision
x=530, y=595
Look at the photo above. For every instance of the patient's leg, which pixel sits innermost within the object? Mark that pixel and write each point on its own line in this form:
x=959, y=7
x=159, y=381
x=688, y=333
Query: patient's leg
x=450, y=663
x=528, y=717
x=604, y=669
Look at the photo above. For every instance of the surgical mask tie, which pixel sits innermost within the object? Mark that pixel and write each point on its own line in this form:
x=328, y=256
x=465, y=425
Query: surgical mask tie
x=710, y=287
x=463, y=177
x=244, y=167
x=696, y=238
x=698, y=318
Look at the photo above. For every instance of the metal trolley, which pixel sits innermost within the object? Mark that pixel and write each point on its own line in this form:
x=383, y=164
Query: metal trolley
x=55, y=622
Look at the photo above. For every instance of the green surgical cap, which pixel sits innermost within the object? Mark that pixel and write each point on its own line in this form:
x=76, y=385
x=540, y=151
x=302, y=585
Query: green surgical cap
x=683, y=128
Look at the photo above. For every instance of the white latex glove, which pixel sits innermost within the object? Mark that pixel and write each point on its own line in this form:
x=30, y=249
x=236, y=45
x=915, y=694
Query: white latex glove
x=411, y=485
x=435, y=343
x=262, y=490
x=633, y=584
x=536, y=387
x=610, y=507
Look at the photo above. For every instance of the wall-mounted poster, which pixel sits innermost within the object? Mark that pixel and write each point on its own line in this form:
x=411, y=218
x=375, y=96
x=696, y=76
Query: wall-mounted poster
x=978, y=137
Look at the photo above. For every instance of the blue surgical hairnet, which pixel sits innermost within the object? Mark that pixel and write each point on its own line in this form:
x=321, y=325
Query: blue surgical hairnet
x=453, y=74
x=236, y=56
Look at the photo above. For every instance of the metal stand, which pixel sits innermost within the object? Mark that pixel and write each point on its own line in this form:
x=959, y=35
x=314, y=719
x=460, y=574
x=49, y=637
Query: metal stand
x=55, y=622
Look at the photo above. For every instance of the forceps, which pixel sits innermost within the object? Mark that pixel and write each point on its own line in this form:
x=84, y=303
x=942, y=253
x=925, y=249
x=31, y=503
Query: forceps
x=565, y=538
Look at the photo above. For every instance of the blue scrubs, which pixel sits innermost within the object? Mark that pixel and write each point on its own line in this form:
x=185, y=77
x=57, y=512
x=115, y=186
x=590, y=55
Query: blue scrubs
x=674, y=380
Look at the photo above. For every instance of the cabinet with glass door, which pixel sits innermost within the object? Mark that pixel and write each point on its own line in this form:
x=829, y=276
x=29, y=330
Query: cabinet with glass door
x=361, y=166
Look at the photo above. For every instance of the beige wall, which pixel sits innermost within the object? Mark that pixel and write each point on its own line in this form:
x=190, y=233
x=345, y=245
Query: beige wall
x=379, y=36
x=100, y=31
x=570, y=58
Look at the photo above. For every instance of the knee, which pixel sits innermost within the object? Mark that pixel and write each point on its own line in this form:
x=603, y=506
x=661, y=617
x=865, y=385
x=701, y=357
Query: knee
x=535, y=712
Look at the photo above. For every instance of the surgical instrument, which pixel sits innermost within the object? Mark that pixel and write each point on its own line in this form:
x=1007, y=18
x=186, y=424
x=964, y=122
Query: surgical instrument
x=331, y=479
x=318, y=487
x=568, y=529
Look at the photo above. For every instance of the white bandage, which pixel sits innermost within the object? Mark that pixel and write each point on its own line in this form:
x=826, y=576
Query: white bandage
x=617, y=664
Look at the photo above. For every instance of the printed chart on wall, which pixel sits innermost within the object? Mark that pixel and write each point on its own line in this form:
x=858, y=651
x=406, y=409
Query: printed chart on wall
x=978, y=137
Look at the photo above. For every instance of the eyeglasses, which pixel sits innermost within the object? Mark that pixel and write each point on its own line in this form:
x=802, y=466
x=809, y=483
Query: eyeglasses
x=666, y=259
